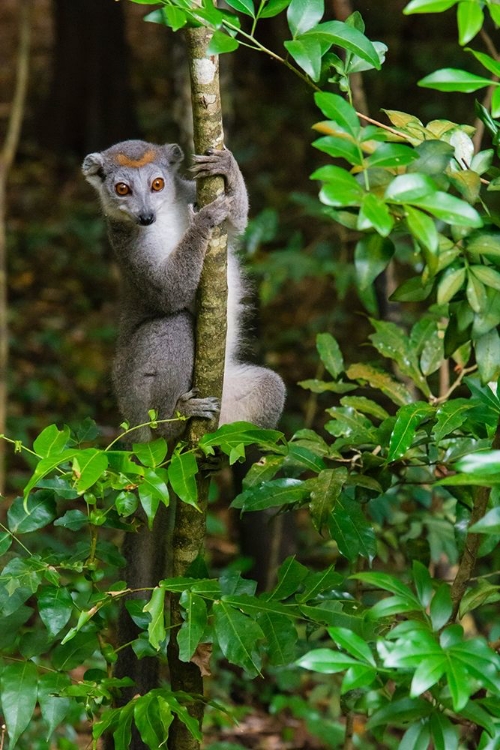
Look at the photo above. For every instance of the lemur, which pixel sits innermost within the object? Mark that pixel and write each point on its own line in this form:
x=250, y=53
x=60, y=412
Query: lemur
x=159, y=241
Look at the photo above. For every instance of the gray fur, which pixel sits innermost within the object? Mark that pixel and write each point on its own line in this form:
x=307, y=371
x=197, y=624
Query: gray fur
x=160, y=243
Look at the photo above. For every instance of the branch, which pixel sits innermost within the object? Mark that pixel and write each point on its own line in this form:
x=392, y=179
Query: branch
x=211, y=322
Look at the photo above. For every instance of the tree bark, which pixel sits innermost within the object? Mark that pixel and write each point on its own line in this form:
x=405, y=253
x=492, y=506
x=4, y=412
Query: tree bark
x=7, y=156
x=211, y=323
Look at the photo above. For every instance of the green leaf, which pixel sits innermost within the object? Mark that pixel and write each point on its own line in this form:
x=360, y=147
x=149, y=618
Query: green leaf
x=487, y=349
x=433, y=157
x=407, y=188
x=489, y=524
x=358, y=676
x=291, y=573
x=339, y=111
x=55, y=606
x=450, y=209
x=243, y=6
x=443, y=734
x=452, y=79
x=365, y=405
x=428, y=672
x=391, y=155
x=422, y=227
x=470, y=18
x=487, y=275
x=151, y=454
x=428, y=6
x=54, y=708
x=156, y=608
x=221, y=43
x=45, y=466
x=388, y=583
x=450, y=283
x=316, y=583
x=193, y=627
x=37, y=511
x=303, y=458
x=441, y=607
x=495, y=103
x=408, y=419
x=126, y=503
x=374, y=213
x=281, y=637
x=347, y=37
x=400, y=712
x=331, y=356
x=326, y=661
x=272, y=494
x=382, y=381
x=51, y=441
x=371, y=257
x=340, y=147
x=325, y=491
x=153, y=491
x=306, y=52
x=353, y=644
x=18, y=696
x=73, y=520
x=392, y=342
x=148, y=722
x=89, y=465
x=75, y=652
x=303, y=15
x=351, y=531
x=238, y=636
x=340, y=188
x=272, y=8
x=450, y=416
x=476, y=293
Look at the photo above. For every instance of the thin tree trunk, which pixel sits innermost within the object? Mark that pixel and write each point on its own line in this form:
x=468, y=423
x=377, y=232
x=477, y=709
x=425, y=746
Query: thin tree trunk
x=189, y=531
x=7, y=156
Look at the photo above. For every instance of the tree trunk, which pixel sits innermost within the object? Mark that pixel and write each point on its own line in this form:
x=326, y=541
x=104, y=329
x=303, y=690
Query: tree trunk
x=189, y=529
x=90, y=104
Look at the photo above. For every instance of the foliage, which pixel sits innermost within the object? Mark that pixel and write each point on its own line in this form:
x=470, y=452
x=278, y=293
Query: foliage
x=404, y=474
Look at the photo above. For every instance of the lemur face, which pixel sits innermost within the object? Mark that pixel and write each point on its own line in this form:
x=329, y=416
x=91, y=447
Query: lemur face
x=134, y=179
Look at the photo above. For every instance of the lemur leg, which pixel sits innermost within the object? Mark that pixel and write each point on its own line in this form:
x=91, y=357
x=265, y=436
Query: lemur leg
x=251, y=394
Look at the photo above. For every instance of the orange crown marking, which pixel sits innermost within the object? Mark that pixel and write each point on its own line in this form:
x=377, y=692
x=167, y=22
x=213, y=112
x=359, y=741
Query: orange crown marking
x=146, y=158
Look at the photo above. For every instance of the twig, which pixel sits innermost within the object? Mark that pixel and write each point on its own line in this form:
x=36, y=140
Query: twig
x=454, y=385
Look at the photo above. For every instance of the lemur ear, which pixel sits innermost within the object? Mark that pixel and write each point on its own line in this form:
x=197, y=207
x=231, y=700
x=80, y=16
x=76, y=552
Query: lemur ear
x=92, y=167
x=174, y=154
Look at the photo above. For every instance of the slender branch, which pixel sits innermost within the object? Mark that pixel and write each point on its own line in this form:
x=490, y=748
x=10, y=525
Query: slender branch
x=7, y=156
x=189, y=530
x=442, y=398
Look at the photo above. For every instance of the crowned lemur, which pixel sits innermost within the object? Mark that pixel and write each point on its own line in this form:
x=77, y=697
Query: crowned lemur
x=159, y=240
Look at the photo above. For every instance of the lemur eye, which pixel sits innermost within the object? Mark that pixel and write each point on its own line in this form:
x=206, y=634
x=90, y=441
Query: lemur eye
x=121, y=188
x=158, y=184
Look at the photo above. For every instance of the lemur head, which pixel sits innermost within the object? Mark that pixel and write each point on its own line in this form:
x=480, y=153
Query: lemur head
x=134, y=179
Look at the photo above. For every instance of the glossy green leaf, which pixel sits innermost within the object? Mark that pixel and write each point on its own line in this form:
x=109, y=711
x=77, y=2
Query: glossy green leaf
x=337, y=109
x=450, y=416
x=451, y=282
x=351, y=531
x=428, y=673
x=340, y=188
x=487, y=275
x=452, y=79
x=349, y=38
x=272, y=494
x=450, y=209
x=422, y=227
x=35, y=512
x=281, y=637
x=193, y=627
x=89, y=465
x=18, y=696
x=374, y=213
x=306, y=51
x=272, y=8
x=73, y=520
x=148, y=722
x=303, y=15
x=388, y=583
x=153, y=491
x=365, y=405
x=392, y=342
x=329, y=351
x=156, y=608
x=489, y=524
x=317, y=583
x=54, y=708
x=358, y=676
x=407, y=188
x=51, y=441
x=243, y=6
x=487, y=349
x=151, y=454
x=340, y=148
x=326, y=661
x=428, y=6
x=391, y=155
x=126, y=503
x=221, y=43
x=444, y=734
x=476, y=293
x=182, y=473
x=408, y=419
x=238, y=637
x=470, y=19
x=291, y=573
x=55, y=606
x=441, y=606
x=325, y=491
x=75, y=652
x=433, y=157
x=353, y=644
x=371, y=257
x=46, y=466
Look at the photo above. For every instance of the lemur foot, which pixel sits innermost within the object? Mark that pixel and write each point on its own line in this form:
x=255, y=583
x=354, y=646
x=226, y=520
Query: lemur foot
x=190, y=406
x=213, y=214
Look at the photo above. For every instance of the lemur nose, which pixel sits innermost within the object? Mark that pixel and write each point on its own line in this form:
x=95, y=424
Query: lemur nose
x=146, y=219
